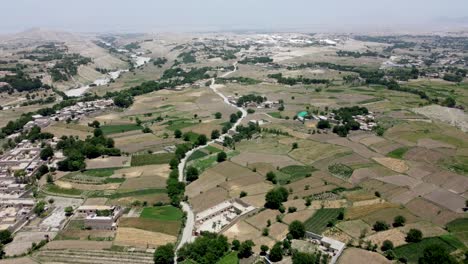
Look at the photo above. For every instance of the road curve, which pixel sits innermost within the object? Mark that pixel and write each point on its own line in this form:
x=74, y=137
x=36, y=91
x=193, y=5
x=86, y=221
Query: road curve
x=187, y=234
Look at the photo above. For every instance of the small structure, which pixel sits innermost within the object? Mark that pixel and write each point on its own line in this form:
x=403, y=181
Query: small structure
x=328, y=245
x=216, y=218
x=100, y=217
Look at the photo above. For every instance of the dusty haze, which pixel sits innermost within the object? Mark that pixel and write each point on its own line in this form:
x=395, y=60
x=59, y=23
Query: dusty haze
x=205, y=15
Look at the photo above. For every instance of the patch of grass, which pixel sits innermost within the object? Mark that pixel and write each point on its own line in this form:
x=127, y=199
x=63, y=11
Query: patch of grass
x=114, y=129
x=295, y=172
x=275, y=114
x=192, y=136
x=230, y=258
x=334, y=90
x=106, y=172
x=211, y=149
x=207, y=162
x=118, y=195
x=164, y=213
x=340, y=170
x=52, y=188
x=398, y=153
x=197, y=155
x=459, y=228
x=323, y=217
x=150, y=159
x=413, y=251
x=458, y=164
x=179, y=124
x=372, y=100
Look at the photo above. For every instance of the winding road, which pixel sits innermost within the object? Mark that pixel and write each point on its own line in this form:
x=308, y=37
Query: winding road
x=187, y=234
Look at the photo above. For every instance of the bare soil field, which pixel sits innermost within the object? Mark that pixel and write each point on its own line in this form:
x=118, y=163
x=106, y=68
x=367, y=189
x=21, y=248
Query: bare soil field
x=299, y=204
x=232, y=170
x=108, y=162
x=424, y=155
x=60, y=130
x=454, y=117
x=356, y=255
x=143, y=182
x=87, y=187
x=388, y=214
x=128, y=236
x=431, y=144
x=254, y=189
x=22, y=242
x=362, y=211
x=356, y=147
x=257, y=200
x=428, y=210
x=246, y=158
x=77, y=244
x=401, y=180
x=428, y=229
x=301, y=215
x=396, y=236
x=242, y=231
x=207, y=180
x=259, y=220
x=393, y=164
x=240, y=183
x=311, y=151
x=447, y=199
x=95, y=201
x=22, y=260
x=278, y=231
x=208, y=199
x=355, y=228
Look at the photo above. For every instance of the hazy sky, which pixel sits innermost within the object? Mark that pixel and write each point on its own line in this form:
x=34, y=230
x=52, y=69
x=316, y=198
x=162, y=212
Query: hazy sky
x=189, y=15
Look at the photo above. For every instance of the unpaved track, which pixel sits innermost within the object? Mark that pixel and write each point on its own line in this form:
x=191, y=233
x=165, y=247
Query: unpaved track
x=187, y=234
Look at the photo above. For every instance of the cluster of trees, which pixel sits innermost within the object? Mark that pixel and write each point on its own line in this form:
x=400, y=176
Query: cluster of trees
x=300, y=79
x=254, y=60
x=21, y=82
x=274, y=198
x=67, y=67
x=241, y=80
x=159, y=62
x=76, y=150
x=188, y=57
x=250, y=98
x=345, y=115
x=207, y=248
x=357, y=54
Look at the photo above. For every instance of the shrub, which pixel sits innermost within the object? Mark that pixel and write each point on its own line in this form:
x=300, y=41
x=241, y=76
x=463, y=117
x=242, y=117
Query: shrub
x=399, y=221
x=414, y=235
x=387, y=245
x=380, y=226
x=297, y=229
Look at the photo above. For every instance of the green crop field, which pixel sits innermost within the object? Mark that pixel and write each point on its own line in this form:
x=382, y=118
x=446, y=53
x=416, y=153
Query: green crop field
x=294, y=172
x=398, y=153
x=196, y=155
x=150, y=159
x=106, y=172
x=459, y=228
x=340, y=170
x=413, y=251
x=319, y=221
x=275, y=114
x=165, y=213
x=114, y=129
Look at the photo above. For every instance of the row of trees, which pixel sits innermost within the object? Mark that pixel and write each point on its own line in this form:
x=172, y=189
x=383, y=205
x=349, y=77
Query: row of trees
x=300, y=79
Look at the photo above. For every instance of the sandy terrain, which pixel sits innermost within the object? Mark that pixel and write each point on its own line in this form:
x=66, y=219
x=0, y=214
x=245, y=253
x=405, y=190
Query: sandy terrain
x=452, y=116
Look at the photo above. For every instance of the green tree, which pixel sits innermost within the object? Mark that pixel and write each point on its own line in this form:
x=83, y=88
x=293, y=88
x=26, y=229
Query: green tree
x=207, y=248
x=271, y=176
x=323, y=124
x=414, y=235
x=5, y=237
x=275, y=198
x=201, y=140
x=380, y=226
x=218, y=115
x=276, y=253
x=304, y=258
x=192, y=174
x=242, y=194
x=39, y=208
x=295, y=145
x=235, y=244
x=46, y=153
x=264, y=250
x=436, y=254
x=174, y=163
x=399, y=220
x=164, y=254
x=68, y=210
x=245, y=249
x=98, y=132
x=222, y=156
x=297, y=229
x=215, y=134
x=177, y=133
x=449, y=102
x=387, y=245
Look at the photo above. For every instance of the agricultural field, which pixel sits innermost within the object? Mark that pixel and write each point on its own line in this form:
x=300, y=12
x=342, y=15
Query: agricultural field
x=322, y=219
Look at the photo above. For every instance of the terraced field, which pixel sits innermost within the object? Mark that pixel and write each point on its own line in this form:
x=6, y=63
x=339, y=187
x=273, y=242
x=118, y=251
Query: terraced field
x=319, y=221
x=92, y=257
